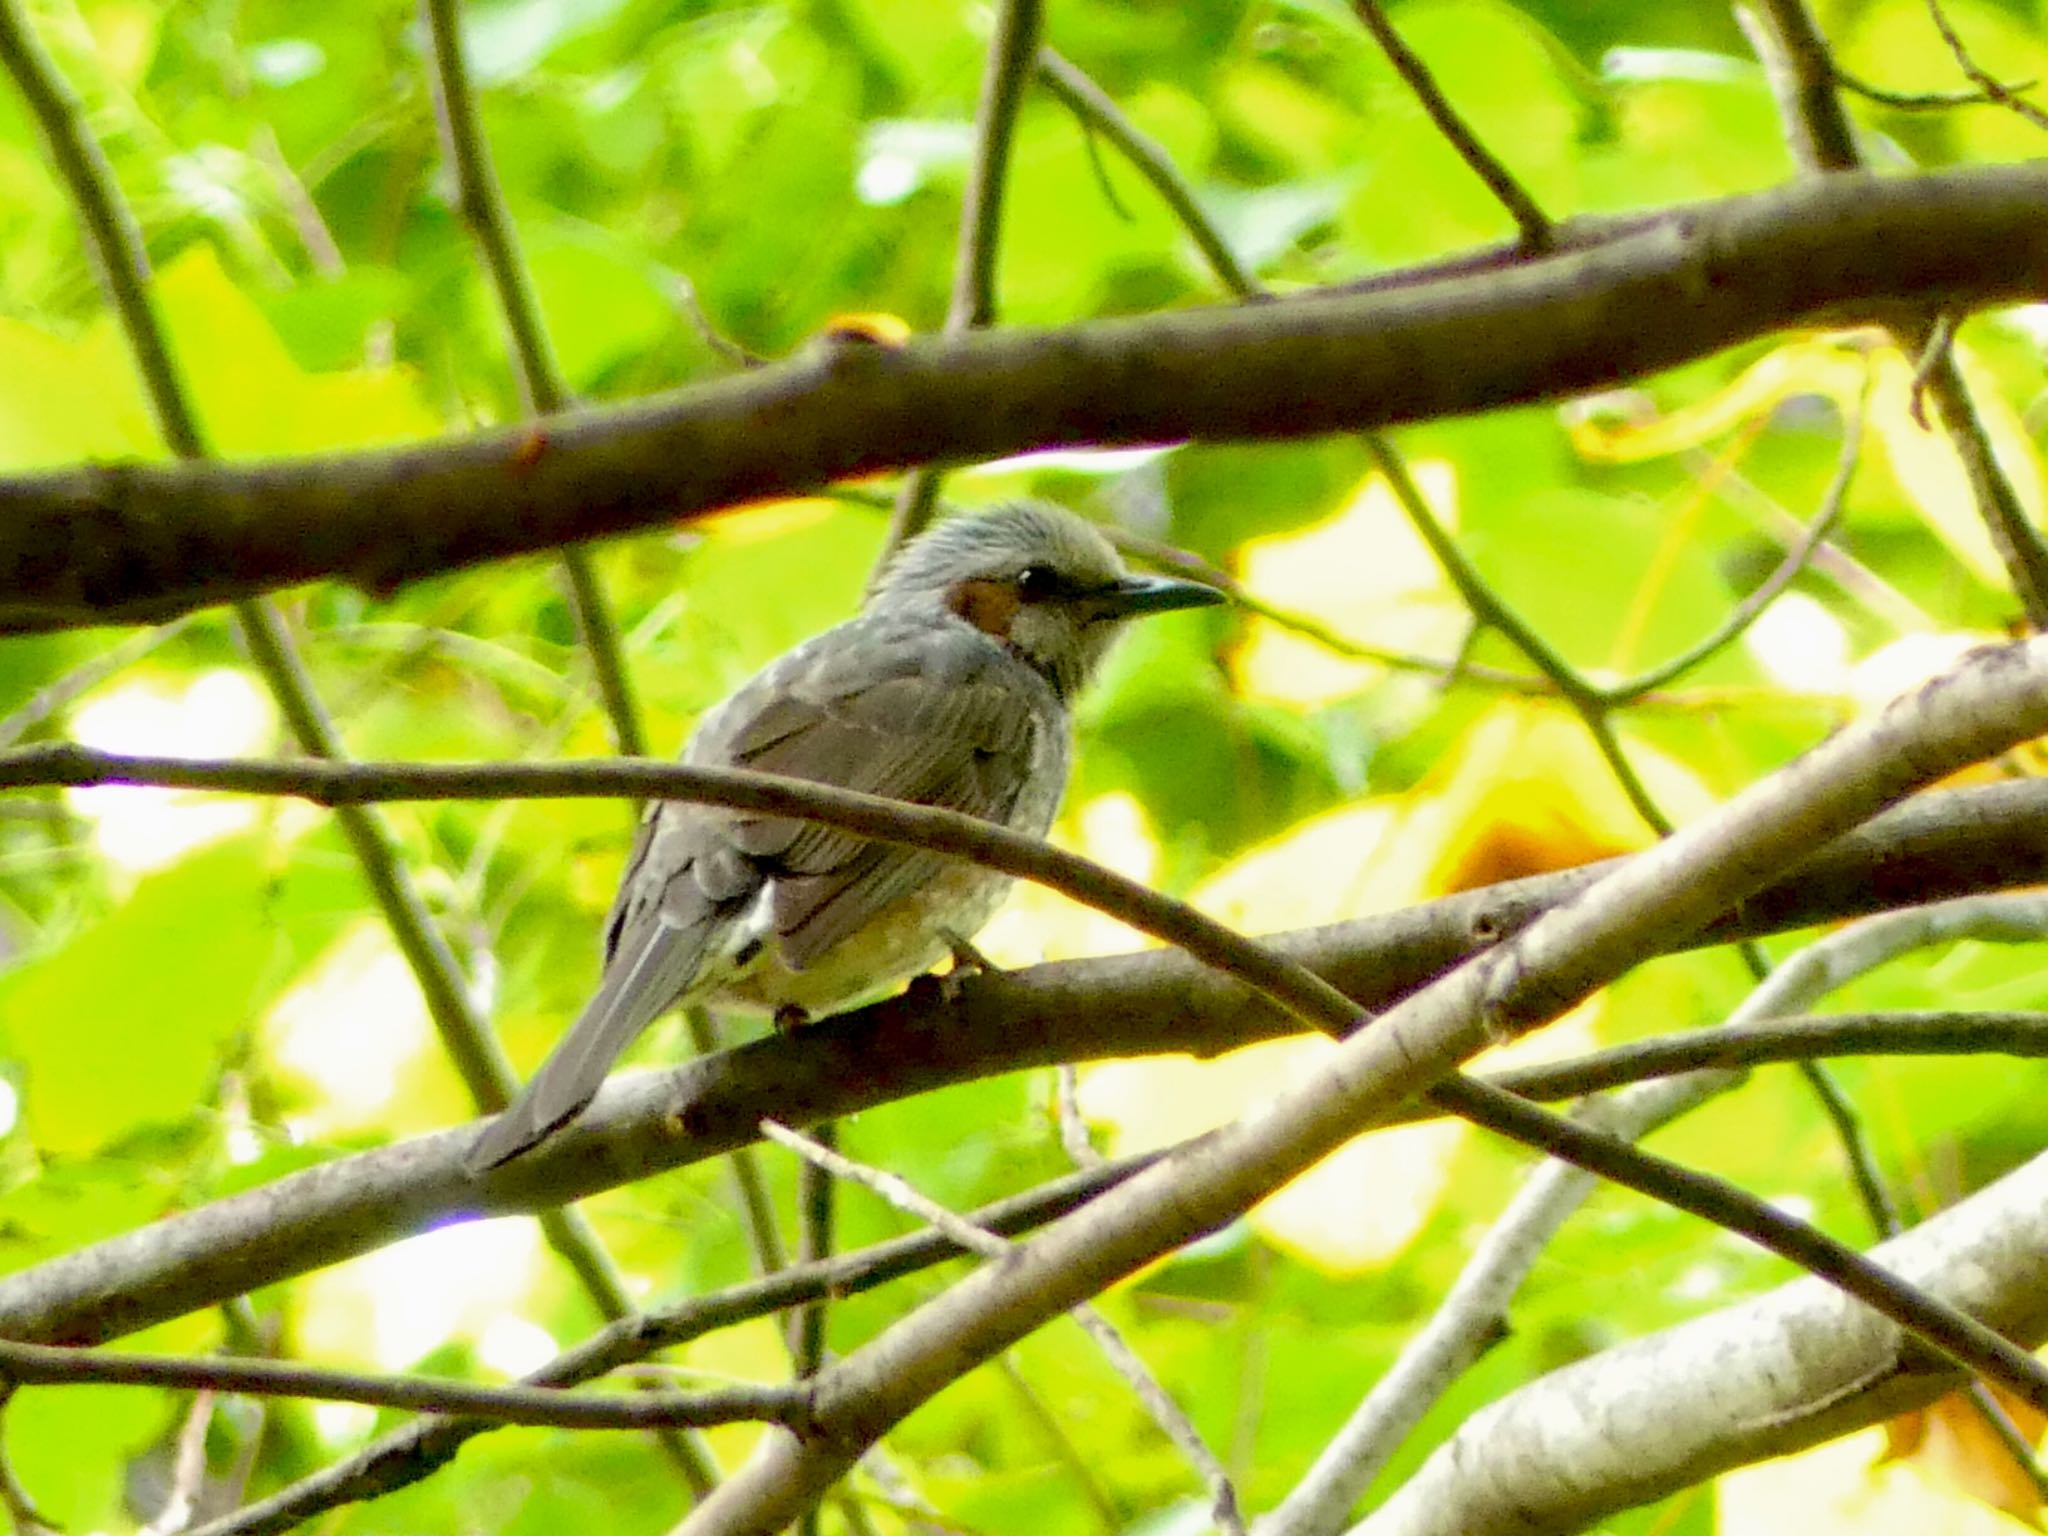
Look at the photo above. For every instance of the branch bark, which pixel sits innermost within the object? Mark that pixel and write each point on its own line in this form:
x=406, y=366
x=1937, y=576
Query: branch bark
x=1788, y=1370
x=1670, y=891
x=1939, y=845
x=1615, y=300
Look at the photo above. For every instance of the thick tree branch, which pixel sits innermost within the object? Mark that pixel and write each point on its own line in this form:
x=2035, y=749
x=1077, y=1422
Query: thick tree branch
x=1765, y=1378
x=414, y=1451
x=1940, y=845
x=1615, y=301
x=1658, y=897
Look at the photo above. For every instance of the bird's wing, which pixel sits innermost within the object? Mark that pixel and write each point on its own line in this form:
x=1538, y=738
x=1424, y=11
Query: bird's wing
x=935, y=719
x=903, y=710
x=683, y=889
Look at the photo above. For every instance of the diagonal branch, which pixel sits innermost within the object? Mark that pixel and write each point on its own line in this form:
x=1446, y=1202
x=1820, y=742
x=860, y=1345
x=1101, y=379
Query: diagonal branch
x=1669, y=890
x=1535, y=226
x=1942, y=844
x=482, y=202
x=1012, y=50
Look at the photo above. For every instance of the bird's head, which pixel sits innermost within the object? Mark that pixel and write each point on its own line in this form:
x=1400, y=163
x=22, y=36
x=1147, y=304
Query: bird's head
x=1035, y=578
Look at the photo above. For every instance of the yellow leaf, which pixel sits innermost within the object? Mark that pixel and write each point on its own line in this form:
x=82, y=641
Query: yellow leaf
x=1950, y=1443
x=1363, y=573
x=1830, y=366
x=1836, y=367
x=1847, y=1488
x=61, y=402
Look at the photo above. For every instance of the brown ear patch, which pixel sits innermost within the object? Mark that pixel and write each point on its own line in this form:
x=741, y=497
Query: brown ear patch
x=988, y=605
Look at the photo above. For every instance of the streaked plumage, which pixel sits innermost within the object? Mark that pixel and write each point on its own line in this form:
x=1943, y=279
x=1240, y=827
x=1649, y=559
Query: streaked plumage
x=950, y=689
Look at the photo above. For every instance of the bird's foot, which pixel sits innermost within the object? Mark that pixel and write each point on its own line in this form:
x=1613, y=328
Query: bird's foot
x=967, y=960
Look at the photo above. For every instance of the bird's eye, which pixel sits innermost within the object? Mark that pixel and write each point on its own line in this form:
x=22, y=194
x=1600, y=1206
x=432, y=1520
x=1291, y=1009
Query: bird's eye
x=1036, y=583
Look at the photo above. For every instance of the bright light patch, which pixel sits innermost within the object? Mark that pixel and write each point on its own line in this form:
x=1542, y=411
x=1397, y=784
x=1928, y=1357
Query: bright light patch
x=10, y=1106
x=1855, y=1486
x=350, y=1027
x=1908, y=662
x=886, y=179
x=1365, y=574
x=1036, y=924
x=343, y=1424
x=515, y=1347
x=218, y=714
x=388, y=1308
x=1081, y=461
x=1801, y=645
x=1700, y=1282
x=1798, y=1207
x=2030, y=320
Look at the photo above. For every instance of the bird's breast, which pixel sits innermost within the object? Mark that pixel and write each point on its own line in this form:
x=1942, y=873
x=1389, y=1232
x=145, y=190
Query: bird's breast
x=904, y=940
x=910, y=936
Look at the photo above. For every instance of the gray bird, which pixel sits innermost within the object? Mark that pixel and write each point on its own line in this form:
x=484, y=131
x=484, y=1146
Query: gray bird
x=952, y=688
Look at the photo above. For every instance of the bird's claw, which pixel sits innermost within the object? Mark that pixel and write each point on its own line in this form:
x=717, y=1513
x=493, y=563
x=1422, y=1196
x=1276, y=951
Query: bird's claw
x=967, y=960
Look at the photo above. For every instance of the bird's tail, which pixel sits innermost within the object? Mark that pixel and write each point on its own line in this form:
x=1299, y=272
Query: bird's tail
x=636, y=990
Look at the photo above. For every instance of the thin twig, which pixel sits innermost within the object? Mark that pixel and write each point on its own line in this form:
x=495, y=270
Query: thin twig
x=1535, y=228
x=481, y=202
x=1165, y=1412
x=1491, y=610
x=1097, y=109
x=1800, y=68
x=1920, y=101
x=763, y=1237
x=1842, y=1115
x=1073, y=1125
x=1849, y=576
x=2017, y=1443
x=815, y=1199
x=1746, y=612
x=410, y=1454
x=691, y=304
x=1941, y=338
x=46, y=1365
x=1012, y=49
x=2018, y=541
x=1736, y=1047
x=1980, y=77
x=188, y=1468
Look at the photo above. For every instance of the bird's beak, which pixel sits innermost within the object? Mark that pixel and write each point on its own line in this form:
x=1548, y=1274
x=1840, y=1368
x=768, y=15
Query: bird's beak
x=1135, y=595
